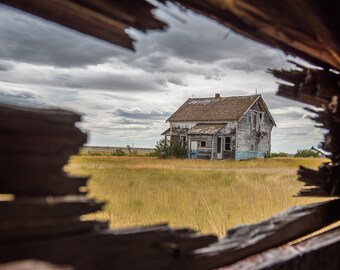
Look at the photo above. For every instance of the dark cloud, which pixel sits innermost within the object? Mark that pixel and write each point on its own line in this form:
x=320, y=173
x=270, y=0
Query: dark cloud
x=176, y=81
x=139, y=114
x=201, y=40
x=125, y=121
x=24, y=38
x=91, y=79
x=5, y=66
x=111, y=81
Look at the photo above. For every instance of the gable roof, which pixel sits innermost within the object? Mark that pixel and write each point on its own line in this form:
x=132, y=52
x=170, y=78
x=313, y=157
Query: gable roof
x=215, y=109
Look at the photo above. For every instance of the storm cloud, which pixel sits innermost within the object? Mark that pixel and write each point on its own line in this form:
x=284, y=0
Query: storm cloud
x=25, y=38
x=137, y=113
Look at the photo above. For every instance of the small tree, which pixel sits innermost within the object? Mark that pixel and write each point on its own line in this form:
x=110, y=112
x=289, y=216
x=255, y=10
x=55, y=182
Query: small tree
x=131, y=151
x=306, y=153
x=178, y=149
x=164, y=149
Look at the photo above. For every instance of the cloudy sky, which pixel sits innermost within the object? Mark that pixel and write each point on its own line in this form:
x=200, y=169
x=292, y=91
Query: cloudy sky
x=125, y=97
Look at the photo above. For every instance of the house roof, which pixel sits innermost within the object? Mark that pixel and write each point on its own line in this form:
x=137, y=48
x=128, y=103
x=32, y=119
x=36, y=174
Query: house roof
x=205, y=129
x=166, y=131
x=214, y=109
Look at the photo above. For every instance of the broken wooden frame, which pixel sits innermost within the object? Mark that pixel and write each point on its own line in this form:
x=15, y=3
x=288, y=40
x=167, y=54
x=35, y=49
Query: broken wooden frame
x=315, y=253
x=40, y=142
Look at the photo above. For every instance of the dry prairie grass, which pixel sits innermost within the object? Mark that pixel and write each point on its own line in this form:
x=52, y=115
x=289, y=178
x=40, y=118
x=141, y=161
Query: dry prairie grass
x=210, y=196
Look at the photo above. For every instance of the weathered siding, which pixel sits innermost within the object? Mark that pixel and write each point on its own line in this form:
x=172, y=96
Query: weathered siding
x=246, y=137
x=202, y=152
x=228, y=131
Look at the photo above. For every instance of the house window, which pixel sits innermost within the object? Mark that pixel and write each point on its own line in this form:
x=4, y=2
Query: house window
x=253, y=121
x=183, y=139
x=203, y=144
x=167, y=140
x=256, y=120
x=227, y=143
x=261, y=118
x=252, y=147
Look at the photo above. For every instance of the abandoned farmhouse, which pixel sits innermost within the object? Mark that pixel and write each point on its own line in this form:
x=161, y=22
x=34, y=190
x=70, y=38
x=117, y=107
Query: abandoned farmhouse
x=237, y=127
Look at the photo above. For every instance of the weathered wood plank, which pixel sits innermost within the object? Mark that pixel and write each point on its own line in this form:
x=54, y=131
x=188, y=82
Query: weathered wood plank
x=278, y=24
x=319, y=252
x=31, y=163
x=39, y=184
x=32, y=265
x=51, y=116
x=122, y=249
x=49, y=207
x=244, y=241
x=106, y=20
x=28, y=126
x=60, y=145
x=17, y=231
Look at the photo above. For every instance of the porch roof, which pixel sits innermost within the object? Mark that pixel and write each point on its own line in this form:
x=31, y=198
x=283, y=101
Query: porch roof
x=166, y=132
x=206, y=129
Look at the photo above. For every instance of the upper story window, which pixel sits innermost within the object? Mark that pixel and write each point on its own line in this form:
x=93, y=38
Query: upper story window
x=227, y=143
x=256, y=120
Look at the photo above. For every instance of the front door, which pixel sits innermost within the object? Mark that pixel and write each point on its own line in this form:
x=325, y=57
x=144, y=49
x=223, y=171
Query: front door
x=193, y=149
x=219, y=147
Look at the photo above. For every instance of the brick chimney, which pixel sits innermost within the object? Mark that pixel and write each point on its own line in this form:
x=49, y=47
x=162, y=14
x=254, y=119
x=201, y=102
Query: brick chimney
x=217, y=95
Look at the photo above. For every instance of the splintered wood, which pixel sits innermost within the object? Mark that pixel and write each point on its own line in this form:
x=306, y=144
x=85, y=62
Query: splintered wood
x=106, y=20
x=319, y=252
x=32, y=264
x=247, y=240
x=44, y=221
x=319, y=88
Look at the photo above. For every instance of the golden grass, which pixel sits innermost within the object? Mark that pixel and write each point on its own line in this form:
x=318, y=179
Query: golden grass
x=210, y=196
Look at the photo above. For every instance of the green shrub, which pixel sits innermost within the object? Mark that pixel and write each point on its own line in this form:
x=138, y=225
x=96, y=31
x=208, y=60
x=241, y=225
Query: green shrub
x=306, y=153
x=118, y=152
x=278, y=154
x=175, y=149
x=93, y=153
x=162, y=149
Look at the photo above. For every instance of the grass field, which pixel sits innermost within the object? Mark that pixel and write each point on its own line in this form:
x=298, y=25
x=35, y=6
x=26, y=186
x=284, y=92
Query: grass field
x=210, y=196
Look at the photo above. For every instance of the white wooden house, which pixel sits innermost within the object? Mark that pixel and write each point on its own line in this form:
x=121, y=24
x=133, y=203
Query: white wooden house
x=237, y=127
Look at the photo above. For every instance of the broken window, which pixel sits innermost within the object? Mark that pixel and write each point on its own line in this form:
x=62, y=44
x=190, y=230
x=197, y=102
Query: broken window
x=227, y=143
x=261, y=117
x=252, y=147
x=248, y=117
x=167, y=140
x=256, y=119
x=203, y=143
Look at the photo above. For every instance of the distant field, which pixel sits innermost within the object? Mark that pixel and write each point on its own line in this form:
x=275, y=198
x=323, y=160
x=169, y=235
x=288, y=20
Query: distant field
x=103, y=150
x=210, y=196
